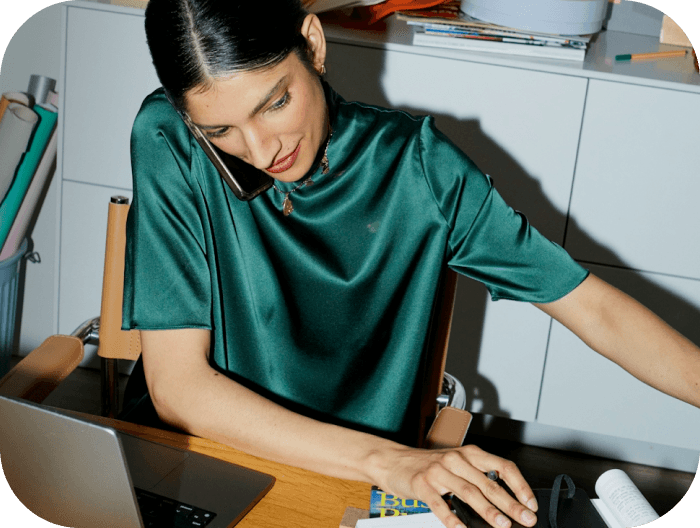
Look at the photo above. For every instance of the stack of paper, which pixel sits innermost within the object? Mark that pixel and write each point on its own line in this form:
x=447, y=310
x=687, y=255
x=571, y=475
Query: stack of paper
x=445, y=26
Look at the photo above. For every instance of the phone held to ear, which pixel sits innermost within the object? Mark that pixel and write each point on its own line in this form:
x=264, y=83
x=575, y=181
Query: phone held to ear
x=243, y=179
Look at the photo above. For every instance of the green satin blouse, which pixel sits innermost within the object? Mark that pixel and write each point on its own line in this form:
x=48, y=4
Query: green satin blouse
x=326, y=310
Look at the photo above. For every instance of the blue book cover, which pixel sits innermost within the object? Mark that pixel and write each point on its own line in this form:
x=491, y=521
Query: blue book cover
x=384, y=504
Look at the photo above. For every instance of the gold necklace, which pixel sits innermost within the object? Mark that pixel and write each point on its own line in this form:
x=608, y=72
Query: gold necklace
x=287, y=206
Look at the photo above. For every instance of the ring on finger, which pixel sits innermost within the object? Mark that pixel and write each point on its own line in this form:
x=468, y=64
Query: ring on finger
x=492, y=475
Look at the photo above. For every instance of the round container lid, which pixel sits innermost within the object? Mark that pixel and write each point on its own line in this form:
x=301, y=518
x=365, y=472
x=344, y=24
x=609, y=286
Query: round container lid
x=564, y=17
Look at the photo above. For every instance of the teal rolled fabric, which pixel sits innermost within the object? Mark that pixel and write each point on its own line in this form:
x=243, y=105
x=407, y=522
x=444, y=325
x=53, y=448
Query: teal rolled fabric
x=25, y=172
x=326, y=310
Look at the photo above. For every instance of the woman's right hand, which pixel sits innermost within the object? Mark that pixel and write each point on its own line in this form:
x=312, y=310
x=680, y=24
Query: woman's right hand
x=427, y=475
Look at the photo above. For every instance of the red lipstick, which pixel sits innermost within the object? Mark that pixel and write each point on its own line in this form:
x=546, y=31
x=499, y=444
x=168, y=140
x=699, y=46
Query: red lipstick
x=286, y=162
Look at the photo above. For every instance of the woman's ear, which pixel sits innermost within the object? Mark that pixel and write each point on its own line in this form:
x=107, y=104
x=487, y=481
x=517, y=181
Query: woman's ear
x=313, y=32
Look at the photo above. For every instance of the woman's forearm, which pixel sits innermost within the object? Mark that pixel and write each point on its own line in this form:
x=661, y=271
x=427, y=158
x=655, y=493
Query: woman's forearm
x=626, y=332
x=210, y=405
x=189, y=394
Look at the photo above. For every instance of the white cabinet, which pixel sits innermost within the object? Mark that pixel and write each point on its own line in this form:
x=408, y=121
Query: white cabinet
x=634, y=218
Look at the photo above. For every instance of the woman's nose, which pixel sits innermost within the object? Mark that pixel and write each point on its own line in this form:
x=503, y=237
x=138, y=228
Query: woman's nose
x=260, y=147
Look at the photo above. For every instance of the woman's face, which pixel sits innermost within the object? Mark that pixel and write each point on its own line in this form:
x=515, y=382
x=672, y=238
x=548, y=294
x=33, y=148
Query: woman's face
x=274, y=119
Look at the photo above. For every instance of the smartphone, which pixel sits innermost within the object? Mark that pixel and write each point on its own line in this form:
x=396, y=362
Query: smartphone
x=243, y=179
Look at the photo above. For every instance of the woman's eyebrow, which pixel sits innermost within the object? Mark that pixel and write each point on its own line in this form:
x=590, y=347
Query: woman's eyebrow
x=269, y=96
x=258, y=107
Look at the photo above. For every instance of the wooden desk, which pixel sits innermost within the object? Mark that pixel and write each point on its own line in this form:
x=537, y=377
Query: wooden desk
x=305, y=499
x=299, y=498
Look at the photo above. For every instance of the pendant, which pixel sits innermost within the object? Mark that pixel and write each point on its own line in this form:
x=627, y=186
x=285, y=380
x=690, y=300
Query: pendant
x=287, y=206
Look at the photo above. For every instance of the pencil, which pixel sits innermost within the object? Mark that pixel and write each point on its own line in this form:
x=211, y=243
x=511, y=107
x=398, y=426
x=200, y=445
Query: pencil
x=652, y=56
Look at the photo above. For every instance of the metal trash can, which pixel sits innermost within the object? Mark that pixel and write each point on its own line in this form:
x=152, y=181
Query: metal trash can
x=9, y=284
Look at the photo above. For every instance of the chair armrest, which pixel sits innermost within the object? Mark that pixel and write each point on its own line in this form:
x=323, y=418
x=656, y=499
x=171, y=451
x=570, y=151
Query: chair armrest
x=449, y=428
x=43, y=369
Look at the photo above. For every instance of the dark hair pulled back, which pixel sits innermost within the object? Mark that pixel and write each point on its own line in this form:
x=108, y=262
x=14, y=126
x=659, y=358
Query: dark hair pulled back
x=194, y=42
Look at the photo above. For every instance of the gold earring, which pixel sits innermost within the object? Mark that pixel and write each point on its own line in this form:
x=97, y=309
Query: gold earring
x=323, y=69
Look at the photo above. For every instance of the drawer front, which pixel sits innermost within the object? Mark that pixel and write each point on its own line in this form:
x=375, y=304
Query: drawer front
x=637, y=185
x=583, y=390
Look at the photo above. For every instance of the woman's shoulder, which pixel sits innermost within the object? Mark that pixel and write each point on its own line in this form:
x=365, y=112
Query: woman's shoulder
x=158, y=127
x=420, y=131
x=376, y=117
x=158, y=115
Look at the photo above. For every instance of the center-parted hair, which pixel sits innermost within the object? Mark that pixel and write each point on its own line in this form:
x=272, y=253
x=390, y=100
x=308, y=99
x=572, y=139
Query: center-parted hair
x=194, y=42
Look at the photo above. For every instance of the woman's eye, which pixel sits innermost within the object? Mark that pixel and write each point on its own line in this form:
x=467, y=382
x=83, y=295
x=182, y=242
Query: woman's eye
x=281, y=103
x=219, y=132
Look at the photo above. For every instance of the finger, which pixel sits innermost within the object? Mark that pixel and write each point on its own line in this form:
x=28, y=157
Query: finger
x=507, y=471
x=485, y=496
x=494, y=492
x=472, y=494
x=428, y=494
x=498, y=496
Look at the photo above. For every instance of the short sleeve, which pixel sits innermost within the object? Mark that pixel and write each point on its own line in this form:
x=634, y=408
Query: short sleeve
x=488, y=240
x=166, y=279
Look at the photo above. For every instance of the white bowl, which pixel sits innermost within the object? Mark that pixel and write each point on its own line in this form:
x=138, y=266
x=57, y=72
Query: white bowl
x=565, y=17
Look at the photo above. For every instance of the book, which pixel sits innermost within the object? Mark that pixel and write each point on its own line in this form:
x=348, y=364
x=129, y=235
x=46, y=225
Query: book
x=449, y=13
x=505, y=33
x=530, y=49
x=620, y=503
x=445, y=26
x=382, y=504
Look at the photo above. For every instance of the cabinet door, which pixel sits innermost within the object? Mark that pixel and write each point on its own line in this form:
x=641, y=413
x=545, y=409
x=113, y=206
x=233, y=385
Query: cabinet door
x=636, y=191
x=582, y=390
x=108, y=73
x=83, y=237
x=522, y=128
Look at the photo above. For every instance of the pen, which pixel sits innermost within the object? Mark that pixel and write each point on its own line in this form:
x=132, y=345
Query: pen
x=651, y=56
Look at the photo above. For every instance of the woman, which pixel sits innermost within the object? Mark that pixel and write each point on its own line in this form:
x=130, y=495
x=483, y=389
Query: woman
x=292, y=326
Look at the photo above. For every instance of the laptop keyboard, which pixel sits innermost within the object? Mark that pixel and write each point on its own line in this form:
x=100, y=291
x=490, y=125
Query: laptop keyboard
x=160, y=512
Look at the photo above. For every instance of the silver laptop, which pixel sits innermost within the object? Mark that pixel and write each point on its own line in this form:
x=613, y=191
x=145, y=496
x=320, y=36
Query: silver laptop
x=80, y=474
